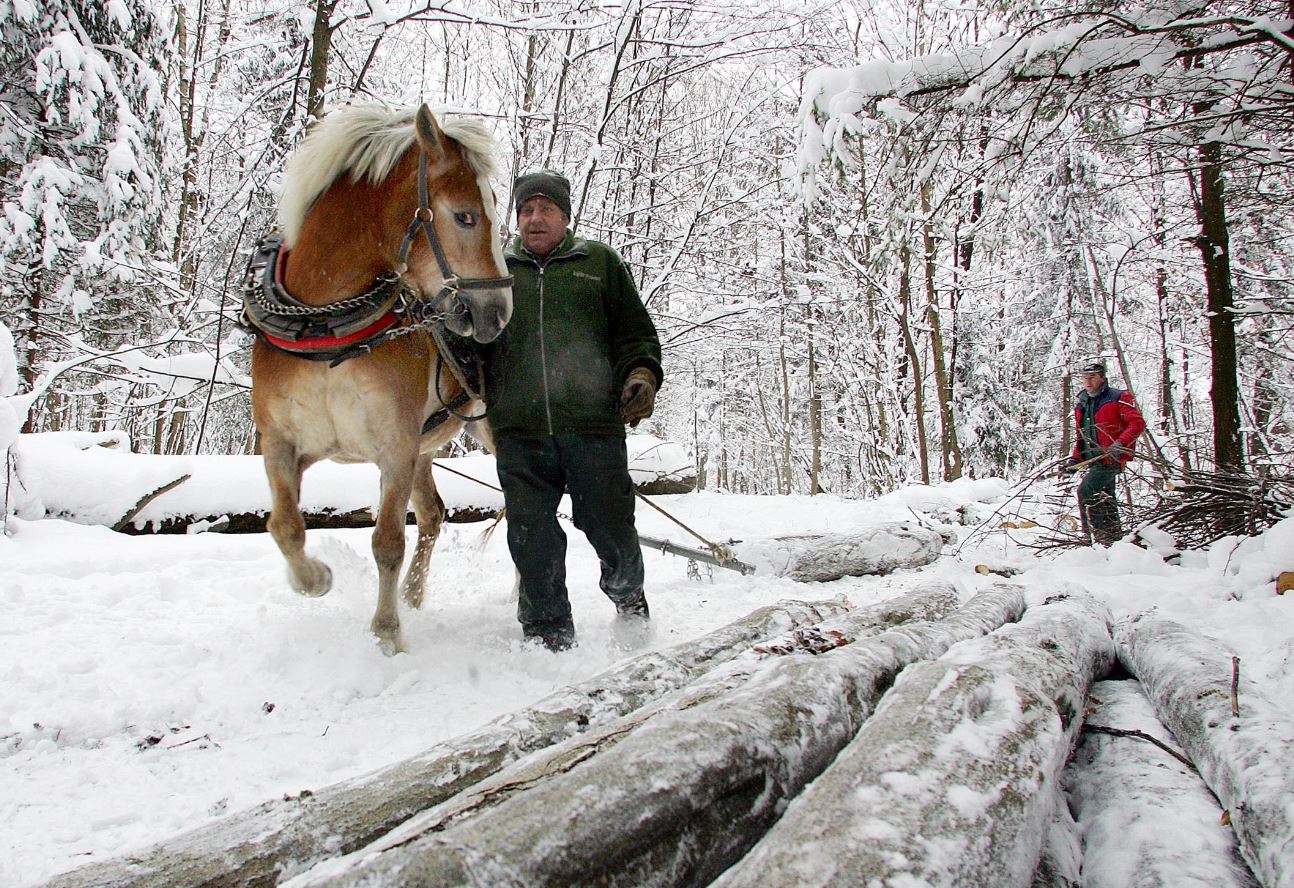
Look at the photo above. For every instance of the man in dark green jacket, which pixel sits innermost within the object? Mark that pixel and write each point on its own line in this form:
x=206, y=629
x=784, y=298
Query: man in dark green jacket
x=579, y=359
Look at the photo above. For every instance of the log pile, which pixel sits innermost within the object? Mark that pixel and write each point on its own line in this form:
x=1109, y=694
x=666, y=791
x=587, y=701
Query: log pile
x=949, y=782
x=916, y=741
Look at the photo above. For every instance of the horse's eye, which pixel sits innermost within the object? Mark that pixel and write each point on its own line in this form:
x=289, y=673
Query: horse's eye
x=465, y=219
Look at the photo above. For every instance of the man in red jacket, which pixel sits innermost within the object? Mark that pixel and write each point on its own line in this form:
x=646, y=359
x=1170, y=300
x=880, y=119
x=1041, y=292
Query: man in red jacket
x=1108, y=424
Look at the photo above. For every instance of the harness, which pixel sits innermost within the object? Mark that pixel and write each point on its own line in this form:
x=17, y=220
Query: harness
x=388, y=309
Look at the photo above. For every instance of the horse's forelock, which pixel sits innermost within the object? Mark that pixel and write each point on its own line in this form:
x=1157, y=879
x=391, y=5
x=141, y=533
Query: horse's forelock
x=367, y=141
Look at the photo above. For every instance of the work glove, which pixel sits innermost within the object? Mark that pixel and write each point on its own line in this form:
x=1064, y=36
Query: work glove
x=1070, y=467
x=1118, y=452
x=639, y=396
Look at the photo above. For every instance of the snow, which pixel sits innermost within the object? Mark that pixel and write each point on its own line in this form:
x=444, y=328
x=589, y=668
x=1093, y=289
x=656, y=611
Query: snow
x=149, y=684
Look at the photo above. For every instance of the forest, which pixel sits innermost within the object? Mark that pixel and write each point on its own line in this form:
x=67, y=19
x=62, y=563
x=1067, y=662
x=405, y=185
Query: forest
x=877, y=239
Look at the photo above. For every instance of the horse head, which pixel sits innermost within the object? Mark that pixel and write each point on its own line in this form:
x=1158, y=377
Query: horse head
x=459, y=255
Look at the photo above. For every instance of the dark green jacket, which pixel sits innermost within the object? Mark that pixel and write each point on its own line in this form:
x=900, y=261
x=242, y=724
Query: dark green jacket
x=578, y=328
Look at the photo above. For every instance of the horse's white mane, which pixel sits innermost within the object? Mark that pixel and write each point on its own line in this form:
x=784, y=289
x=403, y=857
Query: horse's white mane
x=367, y=141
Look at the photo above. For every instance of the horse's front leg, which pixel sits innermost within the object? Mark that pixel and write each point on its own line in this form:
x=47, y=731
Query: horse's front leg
x=284, y=467
x=388, y=549
x=430, y=509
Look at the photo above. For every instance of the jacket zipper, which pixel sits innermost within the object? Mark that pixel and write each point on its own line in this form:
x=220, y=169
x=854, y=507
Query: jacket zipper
x=543, y=351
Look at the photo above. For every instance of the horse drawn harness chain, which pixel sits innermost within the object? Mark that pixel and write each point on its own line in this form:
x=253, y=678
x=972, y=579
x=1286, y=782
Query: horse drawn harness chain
x=388, y=309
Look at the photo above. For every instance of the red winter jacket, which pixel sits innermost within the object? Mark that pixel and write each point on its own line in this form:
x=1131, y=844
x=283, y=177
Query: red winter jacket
x=1118, y=421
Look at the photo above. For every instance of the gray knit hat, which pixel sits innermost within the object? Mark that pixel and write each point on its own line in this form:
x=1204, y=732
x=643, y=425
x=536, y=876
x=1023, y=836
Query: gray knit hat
x=1094, y=367
x=551, y=185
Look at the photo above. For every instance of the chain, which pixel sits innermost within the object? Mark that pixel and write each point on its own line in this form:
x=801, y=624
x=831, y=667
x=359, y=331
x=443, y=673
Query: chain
x=255, y=293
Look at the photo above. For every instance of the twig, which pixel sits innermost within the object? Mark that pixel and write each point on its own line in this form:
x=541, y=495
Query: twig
x=146, y=499
x=1235, y=686
x=206, y=737
x=1140, y=735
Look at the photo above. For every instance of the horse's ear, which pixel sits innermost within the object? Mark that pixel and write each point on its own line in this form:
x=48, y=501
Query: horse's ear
x=430, y=134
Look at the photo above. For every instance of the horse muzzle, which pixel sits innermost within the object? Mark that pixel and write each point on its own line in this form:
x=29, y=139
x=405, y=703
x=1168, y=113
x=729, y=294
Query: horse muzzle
x=480, y=314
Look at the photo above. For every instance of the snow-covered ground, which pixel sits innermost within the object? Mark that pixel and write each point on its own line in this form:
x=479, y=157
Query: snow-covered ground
x=150, y=684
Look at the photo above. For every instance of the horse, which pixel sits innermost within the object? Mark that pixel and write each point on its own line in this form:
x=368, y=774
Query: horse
x=389, y=214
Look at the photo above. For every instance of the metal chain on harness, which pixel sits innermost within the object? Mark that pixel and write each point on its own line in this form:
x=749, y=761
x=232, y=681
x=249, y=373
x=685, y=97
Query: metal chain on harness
x=254, y=291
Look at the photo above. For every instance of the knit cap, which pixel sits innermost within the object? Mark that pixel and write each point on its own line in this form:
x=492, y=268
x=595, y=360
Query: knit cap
x=548, y=183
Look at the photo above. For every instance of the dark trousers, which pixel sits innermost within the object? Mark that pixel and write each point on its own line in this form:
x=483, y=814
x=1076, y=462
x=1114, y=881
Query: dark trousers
x=1098, y=503
x=534, y=472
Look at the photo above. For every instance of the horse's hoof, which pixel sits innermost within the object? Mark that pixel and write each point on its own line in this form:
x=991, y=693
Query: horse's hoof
x=390, y=644
x=316, y=584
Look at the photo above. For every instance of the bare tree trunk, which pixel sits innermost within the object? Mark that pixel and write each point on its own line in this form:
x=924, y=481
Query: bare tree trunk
x=1215, y=251
x=320, y=46
x=1169, y=410
x=914, y=358
x=30, y=330
x=815, y=412
x=787, y=483
x=950, y=449
x=1066, y=413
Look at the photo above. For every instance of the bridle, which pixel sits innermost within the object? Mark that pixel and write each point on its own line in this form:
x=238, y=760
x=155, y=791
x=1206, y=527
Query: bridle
x=423, y=220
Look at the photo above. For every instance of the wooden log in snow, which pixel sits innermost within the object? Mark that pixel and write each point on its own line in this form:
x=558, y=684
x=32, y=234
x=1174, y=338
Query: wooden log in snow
x=877, y=549
x=952, y=780
x=1247, y=760
x=271, y=842
x=1136, y=802
x=678, y=798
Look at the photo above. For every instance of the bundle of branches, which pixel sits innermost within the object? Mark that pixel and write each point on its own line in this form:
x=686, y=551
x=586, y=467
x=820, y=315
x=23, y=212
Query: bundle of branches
x=1195, y=507
x=1205, y=506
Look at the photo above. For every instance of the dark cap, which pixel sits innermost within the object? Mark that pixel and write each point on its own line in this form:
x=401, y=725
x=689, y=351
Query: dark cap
x=547, y=183
x=1094, y=367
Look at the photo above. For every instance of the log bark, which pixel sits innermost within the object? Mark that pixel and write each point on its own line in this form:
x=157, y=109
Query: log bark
x=1134, y=796
x=878, y=549
x=254, y=522
x=1060, y=864
x=952, y=780
x=1244, y=759
x=678, y=798
x=280, y=838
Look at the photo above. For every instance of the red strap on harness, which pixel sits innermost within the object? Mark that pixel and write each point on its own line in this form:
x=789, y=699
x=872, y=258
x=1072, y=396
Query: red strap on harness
x=318, y=343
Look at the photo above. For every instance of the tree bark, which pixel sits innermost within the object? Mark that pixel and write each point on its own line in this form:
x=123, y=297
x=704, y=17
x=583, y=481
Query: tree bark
x=950, y=782
x=914, y=359
x=949, y=447
x=1244, y=759
x=320, y=46
x=1215, y=251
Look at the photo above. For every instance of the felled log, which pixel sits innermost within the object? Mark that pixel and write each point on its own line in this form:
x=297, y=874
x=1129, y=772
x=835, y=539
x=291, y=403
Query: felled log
x=951, y=781
x=269, y=843
x=1134, y=796
x=93, y=478
x=677, y=798
x=1244, y=758
x=254, y=522
x=1061, y=859
x=877, y=549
